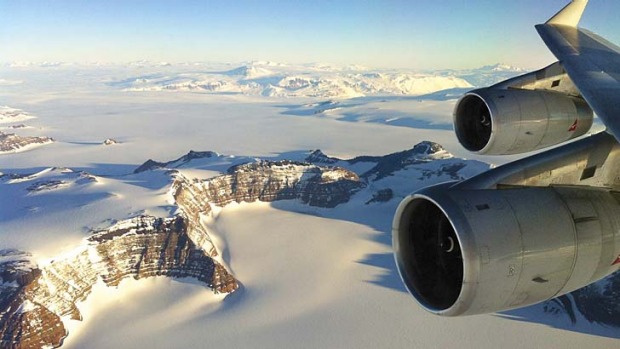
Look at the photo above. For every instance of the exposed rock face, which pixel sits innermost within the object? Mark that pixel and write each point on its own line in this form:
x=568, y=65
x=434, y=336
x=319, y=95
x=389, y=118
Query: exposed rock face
x=386, y=165
x=149, y=165
x=47, y=185
x=17, y=126
x=265, y=181
x=49, y=179
x=157, y=247
x=152, y=164
x=318, y=157
x=110, y=141
x=8, y=114
x=24, y=323
x=383, y=195
x=10, y=142
x=33, y=300
x=272, y=181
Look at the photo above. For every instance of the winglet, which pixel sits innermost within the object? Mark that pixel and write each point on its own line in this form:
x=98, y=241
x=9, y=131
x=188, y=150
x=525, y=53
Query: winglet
x=570, y=14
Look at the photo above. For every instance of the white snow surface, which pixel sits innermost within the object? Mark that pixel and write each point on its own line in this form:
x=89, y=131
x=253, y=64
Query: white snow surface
x=310, y=277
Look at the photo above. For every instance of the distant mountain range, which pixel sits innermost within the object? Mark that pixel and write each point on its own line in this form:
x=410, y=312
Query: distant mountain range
x=279, y=80
x=288, y=80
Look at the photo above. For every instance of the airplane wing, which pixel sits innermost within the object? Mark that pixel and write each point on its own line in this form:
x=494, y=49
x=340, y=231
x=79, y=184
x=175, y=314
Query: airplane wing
x=536, y=228
x=592, y=62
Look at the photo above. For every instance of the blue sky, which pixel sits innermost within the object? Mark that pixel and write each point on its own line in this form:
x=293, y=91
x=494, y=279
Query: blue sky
x=384, y=34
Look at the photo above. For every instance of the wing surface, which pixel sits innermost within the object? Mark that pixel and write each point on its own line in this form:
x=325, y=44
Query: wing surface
x=592, y=63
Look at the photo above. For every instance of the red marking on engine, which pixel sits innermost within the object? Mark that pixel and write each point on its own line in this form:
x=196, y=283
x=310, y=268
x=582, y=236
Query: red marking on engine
x=617, y=261
x=573, y=126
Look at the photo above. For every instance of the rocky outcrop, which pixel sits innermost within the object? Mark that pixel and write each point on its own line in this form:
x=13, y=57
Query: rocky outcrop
x=264, y=181
x=192, y=155
x=110, y=141
x=149, y=165
x=33, y=300
x=8, y=114
x=270, y=181
x=318, y=157
x=386, y=165
x=47, y=185
x=14, y=127
x=157, y=247
x=49, y=179
x=10, y=142
x=21, y=319
x=382, y=195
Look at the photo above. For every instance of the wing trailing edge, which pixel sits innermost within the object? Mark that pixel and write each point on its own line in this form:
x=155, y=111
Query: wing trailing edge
x=570, y=15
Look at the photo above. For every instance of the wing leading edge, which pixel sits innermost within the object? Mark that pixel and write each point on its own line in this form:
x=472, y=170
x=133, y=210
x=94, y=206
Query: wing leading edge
x=592, y=62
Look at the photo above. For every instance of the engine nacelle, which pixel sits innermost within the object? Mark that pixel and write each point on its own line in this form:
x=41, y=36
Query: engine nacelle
x=511, y=121
x=464, y=252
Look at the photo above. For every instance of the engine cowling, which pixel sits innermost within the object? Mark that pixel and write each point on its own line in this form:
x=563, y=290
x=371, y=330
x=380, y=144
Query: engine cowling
x=511, y=121
x=465, y=252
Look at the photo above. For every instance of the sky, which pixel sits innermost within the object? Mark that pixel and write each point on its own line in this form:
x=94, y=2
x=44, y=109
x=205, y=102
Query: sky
x=413, y=34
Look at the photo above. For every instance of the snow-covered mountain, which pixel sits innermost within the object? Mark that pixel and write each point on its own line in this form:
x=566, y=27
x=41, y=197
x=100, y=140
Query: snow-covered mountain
x=280, y=80
x=35, y=299
x=250, y=71
x=487, y=75
x=12, y=115
x=264, y=78
x=12, y=143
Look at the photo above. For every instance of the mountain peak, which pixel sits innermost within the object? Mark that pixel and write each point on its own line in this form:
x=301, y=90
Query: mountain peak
x=428, y=148
x=318, y=157
x=249, y=71
x=501, y=67
x=191, y=155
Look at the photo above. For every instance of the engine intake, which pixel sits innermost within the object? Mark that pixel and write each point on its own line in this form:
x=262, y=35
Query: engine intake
x=431, y=255
x=464, y=252
x=511, y=121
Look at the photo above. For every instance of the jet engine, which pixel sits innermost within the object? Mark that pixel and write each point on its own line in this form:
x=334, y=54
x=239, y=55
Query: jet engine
x=538, y=227
x=472, y=251
x=511, y=121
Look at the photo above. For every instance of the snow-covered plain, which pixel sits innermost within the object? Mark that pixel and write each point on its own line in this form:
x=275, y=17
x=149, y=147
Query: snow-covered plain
x=310, y=277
